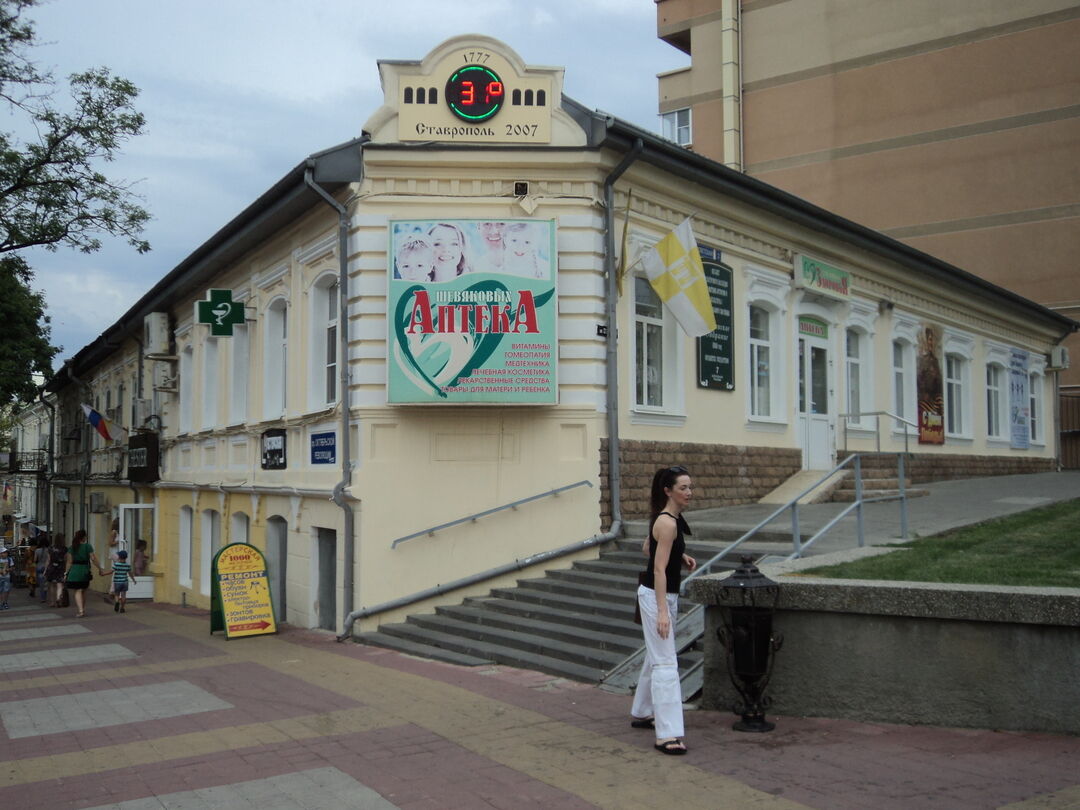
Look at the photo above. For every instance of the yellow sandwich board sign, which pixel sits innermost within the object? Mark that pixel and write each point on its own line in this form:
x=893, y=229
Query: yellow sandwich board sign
x=240, y=602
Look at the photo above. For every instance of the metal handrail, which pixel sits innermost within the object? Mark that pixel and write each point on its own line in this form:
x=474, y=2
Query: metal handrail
x=847, y=417
x=486, y=512
x=796, y=539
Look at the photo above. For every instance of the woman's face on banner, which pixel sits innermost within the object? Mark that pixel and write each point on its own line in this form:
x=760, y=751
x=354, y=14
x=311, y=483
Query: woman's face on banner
x=447, y=245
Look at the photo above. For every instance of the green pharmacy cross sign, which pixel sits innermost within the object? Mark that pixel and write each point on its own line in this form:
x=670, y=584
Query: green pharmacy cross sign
x=221, y=312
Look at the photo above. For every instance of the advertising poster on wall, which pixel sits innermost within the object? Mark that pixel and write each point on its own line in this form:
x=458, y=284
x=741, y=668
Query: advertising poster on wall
x=929, y=386
x=472, y=312
x=1019, y=400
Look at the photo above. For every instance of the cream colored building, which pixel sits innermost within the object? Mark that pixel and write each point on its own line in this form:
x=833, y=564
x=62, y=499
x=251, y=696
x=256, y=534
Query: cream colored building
x=951, y=125
x=283, y=434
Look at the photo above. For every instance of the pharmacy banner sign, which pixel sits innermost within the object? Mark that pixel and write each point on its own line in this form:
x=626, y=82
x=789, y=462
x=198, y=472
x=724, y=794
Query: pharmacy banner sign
x=472, y=312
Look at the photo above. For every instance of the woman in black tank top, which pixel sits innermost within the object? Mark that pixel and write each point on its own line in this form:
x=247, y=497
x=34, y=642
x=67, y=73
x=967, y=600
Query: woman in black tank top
x=658, y=697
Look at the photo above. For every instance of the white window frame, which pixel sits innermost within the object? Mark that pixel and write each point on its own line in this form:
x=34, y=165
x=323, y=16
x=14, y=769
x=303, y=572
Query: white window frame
x=210, y=366
x=861, y=318
x=186, y=389
x=209, y=543
x=187, y=527
x=276, y=359
x=240, y=362
x=239, y=528
x=1037, y=403
x=957, y=396
x=680, y=132
x=324, y=323
x=961, y=348
x=671, y=411
x=768, y=290
x=997, y=406
x=905, y=332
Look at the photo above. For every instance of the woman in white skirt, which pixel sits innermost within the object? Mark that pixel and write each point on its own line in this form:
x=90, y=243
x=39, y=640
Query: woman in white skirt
x=658, y=697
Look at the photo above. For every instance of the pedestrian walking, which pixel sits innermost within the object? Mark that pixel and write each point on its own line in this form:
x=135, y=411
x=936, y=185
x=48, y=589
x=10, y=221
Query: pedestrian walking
x=658, y=696
x=54, y=570
x=78, y=572
x=121, y=574
x=41, y=562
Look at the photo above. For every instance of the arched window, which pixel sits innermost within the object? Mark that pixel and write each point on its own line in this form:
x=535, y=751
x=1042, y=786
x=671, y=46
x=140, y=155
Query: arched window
x=238, y=374
x=239, y=528
x=1036, y=422
x=187, y=521
x=209, y=543
x=209, y=383
x=515, y=98
x=323, y=368
x=541, y=98
x=860, y=397
x=276, y=359
x=956, y=395
x=996, y=406
x=528, y=98
x=764, y=348
x=408, y=95
x=432, y=96
x=186, y=387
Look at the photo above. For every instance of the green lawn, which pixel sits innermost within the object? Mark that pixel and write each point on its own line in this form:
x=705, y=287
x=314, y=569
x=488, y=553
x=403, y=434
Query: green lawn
x=1040, y=547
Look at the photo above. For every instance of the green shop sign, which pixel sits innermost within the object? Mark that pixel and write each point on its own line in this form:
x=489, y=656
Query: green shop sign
x=821, y=278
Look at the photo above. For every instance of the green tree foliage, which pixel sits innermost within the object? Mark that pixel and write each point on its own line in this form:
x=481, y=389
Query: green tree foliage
x=25, y=327
x=52, y=191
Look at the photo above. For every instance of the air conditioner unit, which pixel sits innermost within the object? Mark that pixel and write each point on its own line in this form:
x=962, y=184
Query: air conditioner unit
x=98, y=503
x=1059, y=357
x=156, y=334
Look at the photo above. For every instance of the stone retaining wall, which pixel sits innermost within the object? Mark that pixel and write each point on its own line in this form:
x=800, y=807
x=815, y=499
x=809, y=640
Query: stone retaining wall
x=921, y=653
x=724, y=475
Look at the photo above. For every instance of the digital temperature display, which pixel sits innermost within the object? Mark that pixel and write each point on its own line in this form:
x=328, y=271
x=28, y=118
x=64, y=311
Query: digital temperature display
x=475, y=93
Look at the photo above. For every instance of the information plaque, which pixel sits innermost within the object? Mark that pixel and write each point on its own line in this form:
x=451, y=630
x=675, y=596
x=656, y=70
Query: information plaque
x=715, y=354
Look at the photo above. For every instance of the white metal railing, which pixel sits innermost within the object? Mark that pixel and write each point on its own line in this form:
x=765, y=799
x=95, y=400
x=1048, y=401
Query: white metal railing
x=849, y=417
x=486, y=512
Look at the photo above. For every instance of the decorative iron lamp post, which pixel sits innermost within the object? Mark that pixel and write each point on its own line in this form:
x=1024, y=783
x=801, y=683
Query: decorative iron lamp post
x=747, y=636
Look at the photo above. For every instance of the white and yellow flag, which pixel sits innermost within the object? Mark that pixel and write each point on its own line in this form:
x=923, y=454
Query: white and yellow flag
x=673, y=266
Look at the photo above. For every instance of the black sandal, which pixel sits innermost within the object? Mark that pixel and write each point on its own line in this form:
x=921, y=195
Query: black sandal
x=643, y=722
x=671, y=747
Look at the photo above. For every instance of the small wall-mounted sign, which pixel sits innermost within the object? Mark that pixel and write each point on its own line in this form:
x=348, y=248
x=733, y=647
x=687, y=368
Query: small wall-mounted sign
x=821, y=278
x=142, y=460
x=220, y=312
x=324, y=448
x=273, y=449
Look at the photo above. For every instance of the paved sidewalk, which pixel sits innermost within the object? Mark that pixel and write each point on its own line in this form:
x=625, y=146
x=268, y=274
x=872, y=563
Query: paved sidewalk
x=148, y=710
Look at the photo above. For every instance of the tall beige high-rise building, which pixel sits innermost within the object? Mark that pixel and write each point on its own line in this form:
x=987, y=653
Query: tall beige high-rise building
x=952, y=125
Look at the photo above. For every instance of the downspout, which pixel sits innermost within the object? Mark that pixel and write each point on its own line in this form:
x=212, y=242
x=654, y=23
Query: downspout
x=338, y=496
x=51, y=454
x=611, y=369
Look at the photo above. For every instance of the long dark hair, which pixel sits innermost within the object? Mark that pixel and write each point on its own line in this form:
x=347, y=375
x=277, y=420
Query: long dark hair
x=664, y=478
x=77, y=540
x=59, y=542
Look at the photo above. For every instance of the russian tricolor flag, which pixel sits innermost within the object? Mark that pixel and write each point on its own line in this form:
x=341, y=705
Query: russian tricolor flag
x=101, y=424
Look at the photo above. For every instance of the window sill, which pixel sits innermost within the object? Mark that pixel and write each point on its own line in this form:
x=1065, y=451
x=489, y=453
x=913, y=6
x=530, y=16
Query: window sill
x=960, y=437
x=657, y=418
x=763, y=424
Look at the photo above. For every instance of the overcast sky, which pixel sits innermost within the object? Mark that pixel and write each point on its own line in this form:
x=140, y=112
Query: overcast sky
x=237, y=92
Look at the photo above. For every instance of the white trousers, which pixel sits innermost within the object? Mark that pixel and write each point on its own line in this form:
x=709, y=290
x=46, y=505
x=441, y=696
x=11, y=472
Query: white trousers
x=659, y=693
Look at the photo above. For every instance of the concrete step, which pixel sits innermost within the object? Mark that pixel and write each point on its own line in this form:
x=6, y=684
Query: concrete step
x=519, y=630
x=496, y=652
x=405, y=645
x=587, y=621
x=620, y=608
x=611, y=582
x=706, y=535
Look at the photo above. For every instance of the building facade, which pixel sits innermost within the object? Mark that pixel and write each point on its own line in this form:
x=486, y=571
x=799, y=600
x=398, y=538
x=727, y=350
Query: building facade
x=446, y=364
x=951, y=126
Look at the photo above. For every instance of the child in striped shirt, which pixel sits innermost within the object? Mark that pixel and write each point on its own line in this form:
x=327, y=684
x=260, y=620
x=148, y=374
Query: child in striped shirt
x=121, y=575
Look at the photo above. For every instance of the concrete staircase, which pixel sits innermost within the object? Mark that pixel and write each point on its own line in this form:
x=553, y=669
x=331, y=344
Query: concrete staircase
x=879, y=475
x=574, y=622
